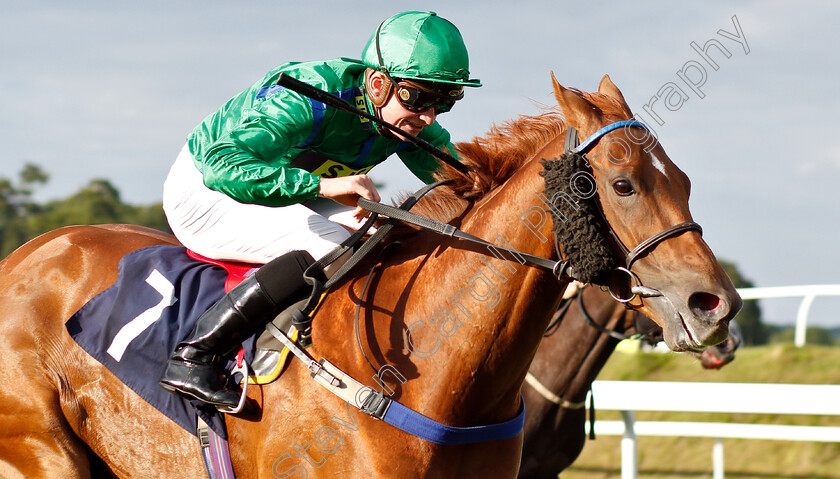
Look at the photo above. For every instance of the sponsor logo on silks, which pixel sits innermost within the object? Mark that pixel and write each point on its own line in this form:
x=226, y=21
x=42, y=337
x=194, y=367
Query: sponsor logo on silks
x=334, y=169
x=362, y=105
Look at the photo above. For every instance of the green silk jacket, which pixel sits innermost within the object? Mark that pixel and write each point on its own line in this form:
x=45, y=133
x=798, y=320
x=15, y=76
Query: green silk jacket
x=270, y=146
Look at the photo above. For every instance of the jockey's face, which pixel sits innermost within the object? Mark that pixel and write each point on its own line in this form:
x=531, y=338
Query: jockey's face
x=395, y=113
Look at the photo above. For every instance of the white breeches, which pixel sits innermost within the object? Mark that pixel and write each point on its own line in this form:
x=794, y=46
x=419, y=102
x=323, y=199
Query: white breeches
x=217, y=226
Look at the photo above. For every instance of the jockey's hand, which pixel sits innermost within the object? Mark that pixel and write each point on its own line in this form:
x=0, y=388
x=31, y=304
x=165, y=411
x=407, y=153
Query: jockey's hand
x=347, y=190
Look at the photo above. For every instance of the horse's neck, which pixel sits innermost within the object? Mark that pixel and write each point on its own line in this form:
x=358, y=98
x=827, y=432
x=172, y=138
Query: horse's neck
x=503, y=307
x=448, y=328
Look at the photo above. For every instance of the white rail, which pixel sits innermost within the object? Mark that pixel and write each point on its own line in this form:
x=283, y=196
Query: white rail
x=808, y=294
x=630, y=396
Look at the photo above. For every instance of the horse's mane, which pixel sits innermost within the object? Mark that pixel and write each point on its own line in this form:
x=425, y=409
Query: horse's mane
x=492, y=159
x=496, y=156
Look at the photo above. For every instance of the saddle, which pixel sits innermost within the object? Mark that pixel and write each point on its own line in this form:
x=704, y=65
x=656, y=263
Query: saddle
x=270, y=356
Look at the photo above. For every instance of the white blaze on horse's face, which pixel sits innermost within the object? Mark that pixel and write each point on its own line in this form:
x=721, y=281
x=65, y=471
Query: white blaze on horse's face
x=657, y=163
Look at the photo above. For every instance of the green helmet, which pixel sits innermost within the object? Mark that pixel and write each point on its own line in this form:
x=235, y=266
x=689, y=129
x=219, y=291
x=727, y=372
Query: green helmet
x=420, y=46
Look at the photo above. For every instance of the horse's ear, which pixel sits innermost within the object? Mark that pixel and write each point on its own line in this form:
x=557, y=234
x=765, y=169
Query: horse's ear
x=608, y=88
x=572, y=104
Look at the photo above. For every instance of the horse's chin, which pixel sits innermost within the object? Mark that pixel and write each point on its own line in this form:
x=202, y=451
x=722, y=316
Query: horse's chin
x=683, y=332
x=680, y=339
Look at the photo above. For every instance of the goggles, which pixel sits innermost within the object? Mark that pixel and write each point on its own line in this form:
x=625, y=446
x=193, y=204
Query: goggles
x=416, y=97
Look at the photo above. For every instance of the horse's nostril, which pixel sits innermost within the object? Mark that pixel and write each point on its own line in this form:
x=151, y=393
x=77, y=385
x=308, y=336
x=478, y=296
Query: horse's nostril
x=705, y=303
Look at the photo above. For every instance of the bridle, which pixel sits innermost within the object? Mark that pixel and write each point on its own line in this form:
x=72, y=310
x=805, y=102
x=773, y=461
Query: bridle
x=619, y=335
x=630, y=256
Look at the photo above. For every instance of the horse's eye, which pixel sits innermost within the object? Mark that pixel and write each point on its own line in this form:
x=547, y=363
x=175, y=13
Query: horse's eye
x=623, y=187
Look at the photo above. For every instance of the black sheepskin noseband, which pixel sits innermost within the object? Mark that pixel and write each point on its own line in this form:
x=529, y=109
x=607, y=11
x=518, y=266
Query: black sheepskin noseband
x=578, y=223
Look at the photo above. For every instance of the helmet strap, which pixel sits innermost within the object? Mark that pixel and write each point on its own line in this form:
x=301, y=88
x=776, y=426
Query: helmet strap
x=379, y=100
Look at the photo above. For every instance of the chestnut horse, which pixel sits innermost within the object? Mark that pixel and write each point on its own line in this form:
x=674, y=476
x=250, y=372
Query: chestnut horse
x=456, y=329
x=568, y=360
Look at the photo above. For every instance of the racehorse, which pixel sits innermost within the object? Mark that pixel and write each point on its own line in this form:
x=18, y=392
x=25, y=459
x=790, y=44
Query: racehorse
x=577, y=344
x=455, y=328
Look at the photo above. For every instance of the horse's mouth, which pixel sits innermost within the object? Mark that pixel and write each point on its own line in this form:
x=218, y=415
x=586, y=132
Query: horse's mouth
x=687, y=341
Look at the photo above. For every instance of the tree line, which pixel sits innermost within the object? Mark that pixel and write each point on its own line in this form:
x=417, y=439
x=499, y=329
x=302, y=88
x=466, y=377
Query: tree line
x=22, y=218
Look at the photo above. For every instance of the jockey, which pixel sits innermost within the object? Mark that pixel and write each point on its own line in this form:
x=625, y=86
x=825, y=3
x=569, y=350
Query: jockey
x=248, y=185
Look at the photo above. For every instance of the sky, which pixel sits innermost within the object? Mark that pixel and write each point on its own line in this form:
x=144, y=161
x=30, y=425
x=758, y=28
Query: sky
x=111, y=89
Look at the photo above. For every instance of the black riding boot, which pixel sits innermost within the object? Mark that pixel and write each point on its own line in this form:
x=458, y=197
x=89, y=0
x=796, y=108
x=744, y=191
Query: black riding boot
x=193, y=369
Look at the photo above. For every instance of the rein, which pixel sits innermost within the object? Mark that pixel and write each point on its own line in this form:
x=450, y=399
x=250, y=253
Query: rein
x=561, y=267
x=547, y=394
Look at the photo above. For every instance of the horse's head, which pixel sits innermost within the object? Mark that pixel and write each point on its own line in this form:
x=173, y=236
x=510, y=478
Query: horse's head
x=676, y=279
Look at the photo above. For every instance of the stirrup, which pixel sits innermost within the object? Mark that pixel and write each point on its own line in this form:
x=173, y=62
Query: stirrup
x=241, y=368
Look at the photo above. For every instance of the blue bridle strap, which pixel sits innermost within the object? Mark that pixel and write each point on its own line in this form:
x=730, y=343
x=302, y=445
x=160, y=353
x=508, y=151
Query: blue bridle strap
x=587, y=143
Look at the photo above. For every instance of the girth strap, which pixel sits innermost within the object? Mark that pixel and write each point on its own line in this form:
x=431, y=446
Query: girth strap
x=215, y=451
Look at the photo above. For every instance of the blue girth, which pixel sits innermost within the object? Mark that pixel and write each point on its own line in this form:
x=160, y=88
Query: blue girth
x=419, y=425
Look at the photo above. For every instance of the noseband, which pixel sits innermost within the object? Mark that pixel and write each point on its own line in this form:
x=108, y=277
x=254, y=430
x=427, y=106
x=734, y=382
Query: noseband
x=630, y=256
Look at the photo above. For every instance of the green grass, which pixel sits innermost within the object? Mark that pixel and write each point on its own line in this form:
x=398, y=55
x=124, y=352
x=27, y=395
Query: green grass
x=671, y=457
